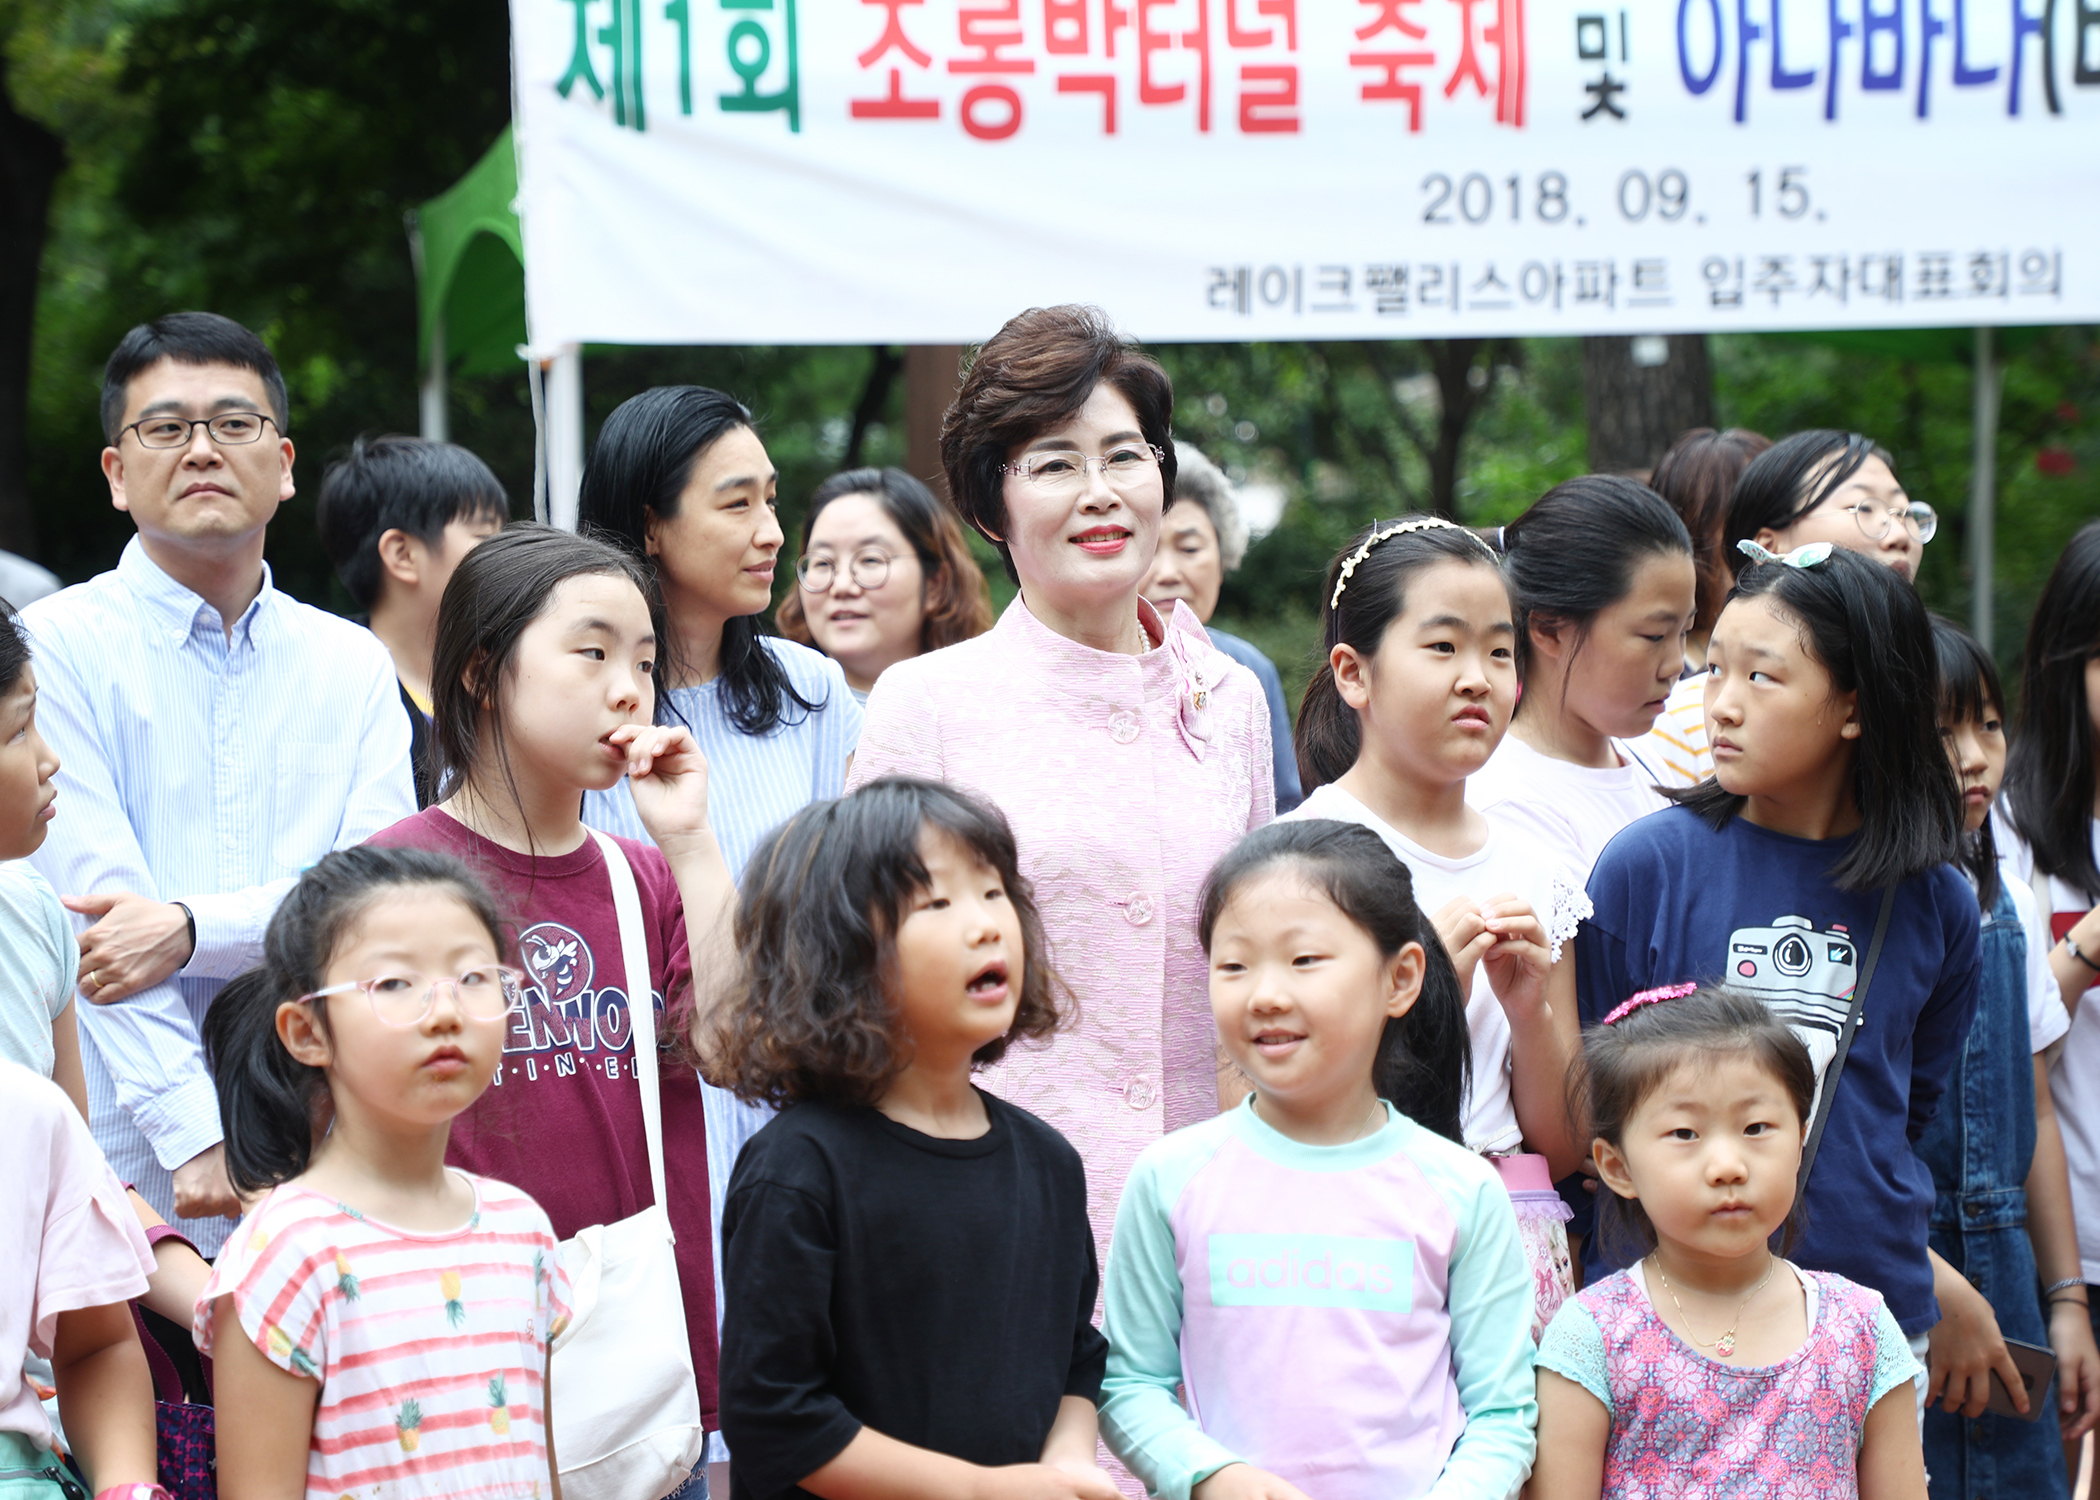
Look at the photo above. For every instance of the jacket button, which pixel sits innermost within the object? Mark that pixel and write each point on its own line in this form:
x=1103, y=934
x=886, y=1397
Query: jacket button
x=1137, y=909
x=1139, y=1092
x=1123, y=726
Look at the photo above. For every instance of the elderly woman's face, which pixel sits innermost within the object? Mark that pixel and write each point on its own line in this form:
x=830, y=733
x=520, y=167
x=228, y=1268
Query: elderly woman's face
x=1082, y=539
x=1188, y=564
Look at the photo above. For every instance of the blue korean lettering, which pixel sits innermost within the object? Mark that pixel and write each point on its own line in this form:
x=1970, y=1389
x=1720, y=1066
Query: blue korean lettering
x=1781, y=77
x=1699, y=83
x=1875, y=26
x=2025, y=25
x=1965, y=76
x=1929, y=26
x=1840, y=29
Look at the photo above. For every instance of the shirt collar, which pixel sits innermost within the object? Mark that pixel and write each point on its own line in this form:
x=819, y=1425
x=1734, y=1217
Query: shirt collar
x=175, y=608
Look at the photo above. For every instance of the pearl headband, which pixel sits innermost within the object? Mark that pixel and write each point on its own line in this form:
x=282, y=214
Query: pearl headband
x=1399, y=528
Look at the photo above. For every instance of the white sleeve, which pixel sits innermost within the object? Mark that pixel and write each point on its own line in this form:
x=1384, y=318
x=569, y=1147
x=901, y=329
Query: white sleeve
x=2047, y=1020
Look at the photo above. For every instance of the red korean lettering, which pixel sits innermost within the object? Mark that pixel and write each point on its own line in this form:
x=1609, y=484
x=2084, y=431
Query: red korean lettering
x=1468, y=54
x=1505, y=36
x=1065, y=28
x=1269, y=98
x=996, y=97
x=985, y=32
x=1198, y=42
x=1149, y=42
x=1393, y=86
x=894, y=105
x=1248, y=36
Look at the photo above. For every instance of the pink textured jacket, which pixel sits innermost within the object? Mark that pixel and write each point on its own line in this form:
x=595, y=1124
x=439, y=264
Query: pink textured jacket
x=1125, y=779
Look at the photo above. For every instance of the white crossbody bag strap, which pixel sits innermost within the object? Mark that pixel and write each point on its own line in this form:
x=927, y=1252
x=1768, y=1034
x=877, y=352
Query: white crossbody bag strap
x=641, y=1004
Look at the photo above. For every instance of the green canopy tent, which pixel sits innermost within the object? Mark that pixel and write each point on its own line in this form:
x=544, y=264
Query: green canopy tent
x=470, y=319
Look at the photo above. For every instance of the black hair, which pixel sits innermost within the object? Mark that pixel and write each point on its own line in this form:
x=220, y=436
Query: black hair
x=1969, y=694
x=1424, y=1063
x=272, y=1107
x=1328, y=735
x=1866, y=628
x=189, y=338
x=1573, y=554
x=639, y=466
x=2049, y=780
x=813, y=1015
x=1697, y=477
x=1790, y=479
x=498, y=590
x=395, y=483
x=1620, y=1065
x=14, y=648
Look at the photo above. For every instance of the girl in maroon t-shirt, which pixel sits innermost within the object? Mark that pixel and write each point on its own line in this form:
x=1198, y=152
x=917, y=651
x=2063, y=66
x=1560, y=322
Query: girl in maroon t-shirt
x=543, y=690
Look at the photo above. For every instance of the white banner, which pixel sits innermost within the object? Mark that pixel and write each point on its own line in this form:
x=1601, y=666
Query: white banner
x=916, y=171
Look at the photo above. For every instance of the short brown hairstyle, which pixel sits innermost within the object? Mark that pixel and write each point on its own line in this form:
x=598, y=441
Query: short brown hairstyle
x=812, y=1014
x=958, y=605
x=1032, y=374
x=1697, y=476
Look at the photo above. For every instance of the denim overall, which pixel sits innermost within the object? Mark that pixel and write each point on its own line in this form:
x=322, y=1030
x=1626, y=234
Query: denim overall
x=1978, y=1148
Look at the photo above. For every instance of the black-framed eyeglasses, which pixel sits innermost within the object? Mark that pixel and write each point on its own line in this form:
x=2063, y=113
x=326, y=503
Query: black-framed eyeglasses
x=228, y=428
x=869, y=569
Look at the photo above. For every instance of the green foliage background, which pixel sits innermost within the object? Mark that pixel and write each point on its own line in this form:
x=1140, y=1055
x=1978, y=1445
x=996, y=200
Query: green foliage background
x=257, y=160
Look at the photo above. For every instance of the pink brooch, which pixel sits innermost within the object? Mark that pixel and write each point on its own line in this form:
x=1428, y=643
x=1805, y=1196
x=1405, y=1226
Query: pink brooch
x=1649, y=997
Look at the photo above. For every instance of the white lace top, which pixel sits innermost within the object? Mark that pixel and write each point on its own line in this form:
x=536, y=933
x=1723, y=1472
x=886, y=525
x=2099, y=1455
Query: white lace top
x=1511, y=862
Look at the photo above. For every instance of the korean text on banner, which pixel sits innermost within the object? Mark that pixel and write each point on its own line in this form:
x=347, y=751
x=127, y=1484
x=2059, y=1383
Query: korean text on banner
x=848, y=171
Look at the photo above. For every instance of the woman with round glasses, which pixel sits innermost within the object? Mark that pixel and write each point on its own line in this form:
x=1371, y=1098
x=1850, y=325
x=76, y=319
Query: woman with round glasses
x=884, y=575
x=1828, y=486
x=1126, y=750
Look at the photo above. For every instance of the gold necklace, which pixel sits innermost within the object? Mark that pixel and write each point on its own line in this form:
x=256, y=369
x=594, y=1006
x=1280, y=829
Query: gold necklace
x=1724, y=1346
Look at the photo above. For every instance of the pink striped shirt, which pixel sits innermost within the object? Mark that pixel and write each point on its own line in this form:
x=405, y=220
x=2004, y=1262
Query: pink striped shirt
x=430, y=1349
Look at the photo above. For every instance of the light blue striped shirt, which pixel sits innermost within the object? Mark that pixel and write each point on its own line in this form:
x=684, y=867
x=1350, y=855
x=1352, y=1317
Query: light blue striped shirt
x=205, y=769
x=755, y=782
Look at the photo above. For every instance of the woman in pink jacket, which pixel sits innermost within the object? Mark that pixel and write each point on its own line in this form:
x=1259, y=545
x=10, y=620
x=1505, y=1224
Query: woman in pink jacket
x=1126, y=750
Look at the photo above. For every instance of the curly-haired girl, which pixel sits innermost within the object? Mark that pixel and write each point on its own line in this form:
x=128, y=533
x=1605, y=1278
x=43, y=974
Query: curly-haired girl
x=890, y=947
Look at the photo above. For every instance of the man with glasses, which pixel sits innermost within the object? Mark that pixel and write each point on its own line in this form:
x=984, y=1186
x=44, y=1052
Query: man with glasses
x=217, y=737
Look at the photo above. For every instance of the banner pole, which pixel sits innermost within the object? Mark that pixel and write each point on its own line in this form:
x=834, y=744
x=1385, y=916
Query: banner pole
x=565, y=435
x=1983, y=492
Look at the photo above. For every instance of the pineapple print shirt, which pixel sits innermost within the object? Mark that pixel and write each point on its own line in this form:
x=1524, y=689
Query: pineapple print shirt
x=430, y=1349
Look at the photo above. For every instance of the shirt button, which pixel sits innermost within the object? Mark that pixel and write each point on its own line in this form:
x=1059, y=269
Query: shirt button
x=1137, y=909
x=1139, y=1092
x=1123, y=726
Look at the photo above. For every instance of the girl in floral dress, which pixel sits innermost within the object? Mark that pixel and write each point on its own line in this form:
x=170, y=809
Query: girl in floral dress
x=1711, y=1367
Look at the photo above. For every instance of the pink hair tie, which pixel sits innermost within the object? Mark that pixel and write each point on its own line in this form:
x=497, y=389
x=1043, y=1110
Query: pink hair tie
x=1649, y=997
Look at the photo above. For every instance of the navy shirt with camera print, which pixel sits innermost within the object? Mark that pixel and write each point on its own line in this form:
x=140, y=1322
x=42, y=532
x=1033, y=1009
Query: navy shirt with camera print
x=1677, y=901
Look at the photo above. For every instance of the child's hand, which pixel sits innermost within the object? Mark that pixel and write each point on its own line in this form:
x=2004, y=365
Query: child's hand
x=1964, y=1347
x=1521, y=958
x=2077, y=1367
x=668, y=776
x=1046, y=1482
x=1245, y=1482
x=1464, y=932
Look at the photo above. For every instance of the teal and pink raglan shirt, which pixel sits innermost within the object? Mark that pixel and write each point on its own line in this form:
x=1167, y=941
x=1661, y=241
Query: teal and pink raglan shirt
x=1355, y=1318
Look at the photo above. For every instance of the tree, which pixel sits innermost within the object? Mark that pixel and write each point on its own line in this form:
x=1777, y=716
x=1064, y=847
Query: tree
x=1640, y=393
x=31, y=158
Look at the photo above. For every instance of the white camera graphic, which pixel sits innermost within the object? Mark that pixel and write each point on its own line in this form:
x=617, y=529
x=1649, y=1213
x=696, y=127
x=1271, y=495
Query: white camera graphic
x=1805, y=976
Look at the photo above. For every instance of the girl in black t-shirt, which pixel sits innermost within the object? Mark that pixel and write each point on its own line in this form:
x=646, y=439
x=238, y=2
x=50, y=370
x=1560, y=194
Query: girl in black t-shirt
x=908, y=1267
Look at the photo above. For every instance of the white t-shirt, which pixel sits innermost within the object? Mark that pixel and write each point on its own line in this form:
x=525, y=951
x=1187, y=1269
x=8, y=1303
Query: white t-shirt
x=2074, y=1079
x=1510, y=861
x=1573, y=810
x=68, y=1237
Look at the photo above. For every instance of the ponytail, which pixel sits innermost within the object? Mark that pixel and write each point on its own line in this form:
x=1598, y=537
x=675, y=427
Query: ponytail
x=1366, y=592
x=272, y=1107
x=1424, y=1062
